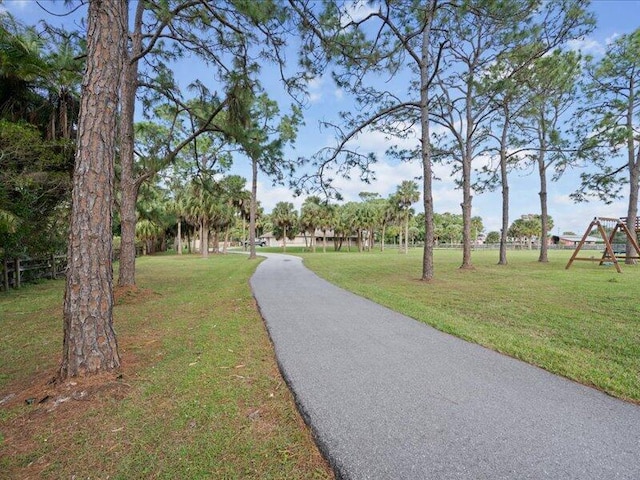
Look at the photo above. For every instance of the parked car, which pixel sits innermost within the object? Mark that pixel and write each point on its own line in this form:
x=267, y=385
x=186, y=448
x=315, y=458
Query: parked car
x=260, y=242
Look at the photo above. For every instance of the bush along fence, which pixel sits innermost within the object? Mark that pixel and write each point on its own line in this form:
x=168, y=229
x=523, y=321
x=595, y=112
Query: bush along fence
x=17, y=271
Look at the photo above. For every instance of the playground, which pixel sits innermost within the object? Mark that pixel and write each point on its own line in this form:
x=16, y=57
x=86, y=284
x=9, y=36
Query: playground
x=619, y=241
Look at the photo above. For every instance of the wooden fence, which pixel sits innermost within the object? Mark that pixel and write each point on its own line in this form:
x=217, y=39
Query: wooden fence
x=16, y=271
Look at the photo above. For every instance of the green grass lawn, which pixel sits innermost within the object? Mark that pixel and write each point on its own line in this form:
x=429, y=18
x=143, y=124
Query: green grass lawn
x=200, y=395
x=583, y=323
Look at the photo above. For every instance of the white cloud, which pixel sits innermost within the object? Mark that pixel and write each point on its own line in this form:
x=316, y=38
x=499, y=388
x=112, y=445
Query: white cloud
x=612, y=38
x=315, y=97
x=315, y=89
x=586, y=45
x=378, y=143
x=269, y=195
x=17, y=6
x=356, y=10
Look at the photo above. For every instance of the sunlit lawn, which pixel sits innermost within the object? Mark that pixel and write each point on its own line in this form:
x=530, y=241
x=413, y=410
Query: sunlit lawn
x=200, y=396
x=583, y=323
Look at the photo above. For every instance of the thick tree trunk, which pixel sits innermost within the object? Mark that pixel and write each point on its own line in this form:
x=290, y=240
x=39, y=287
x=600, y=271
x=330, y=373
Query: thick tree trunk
x=129, y=185
x=89, y=344
x=128, y=197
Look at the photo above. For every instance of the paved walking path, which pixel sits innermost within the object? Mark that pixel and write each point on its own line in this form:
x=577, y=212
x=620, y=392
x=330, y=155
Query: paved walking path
x=390, y=398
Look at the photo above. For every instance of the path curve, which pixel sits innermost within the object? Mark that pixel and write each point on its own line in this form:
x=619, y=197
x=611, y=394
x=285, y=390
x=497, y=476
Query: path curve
x=388, y=397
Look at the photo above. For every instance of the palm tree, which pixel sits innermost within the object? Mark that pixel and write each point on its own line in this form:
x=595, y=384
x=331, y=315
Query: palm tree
x=387, y=215
x=310, y=218
x=327, y=219
x=284, y=218
x=366, y=219
x=238, y=199
x=41, y=88
x=63, y=77
x=346, y=222
x=148, y=232
x=197, y=213
x=21, y=67
x=407, y=193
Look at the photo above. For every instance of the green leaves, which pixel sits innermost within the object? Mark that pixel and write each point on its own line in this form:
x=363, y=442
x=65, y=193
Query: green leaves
x=609, y=121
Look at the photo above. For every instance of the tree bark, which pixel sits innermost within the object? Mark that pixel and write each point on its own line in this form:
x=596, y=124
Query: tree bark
x=253, y=209
x=89, y=344
x=467, y=198
x=406, y=231
x=544, y=214
x=427, y=175
x=634, y=178
x=129, y=185
x=204, y=239
x=504, y=181
x=284, y=239
x=632, y=211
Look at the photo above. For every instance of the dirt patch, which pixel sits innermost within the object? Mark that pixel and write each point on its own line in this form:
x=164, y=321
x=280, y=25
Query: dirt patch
x=133, y=294
x=40, y=410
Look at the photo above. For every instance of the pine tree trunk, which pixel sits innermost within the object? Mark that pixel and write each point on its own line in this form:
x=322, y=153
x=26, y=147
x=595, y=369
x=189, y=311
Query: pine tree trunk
x=504, y=181
x=632, y=211
x=89, y=344
x=544, y=215
x=467, y=199
x=427, y=174
x=253, y=208
x=129, y=185
x=634, y=178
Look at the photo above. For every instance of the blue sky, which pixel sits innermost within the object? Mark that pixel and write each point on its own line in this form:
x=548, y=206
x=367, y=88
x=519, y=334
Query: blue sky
x=614, y=17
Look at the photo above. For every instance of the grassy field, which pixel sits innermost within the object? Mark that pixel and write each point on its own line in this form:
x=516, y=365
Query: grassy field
x=199, y=395
x=583, y=323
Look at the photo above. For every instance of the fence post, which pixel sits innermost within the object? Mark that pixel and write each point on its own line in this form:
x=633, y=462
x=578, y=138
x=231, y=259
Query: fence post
x=53, y=266
x=16, y=273
x=5, y=275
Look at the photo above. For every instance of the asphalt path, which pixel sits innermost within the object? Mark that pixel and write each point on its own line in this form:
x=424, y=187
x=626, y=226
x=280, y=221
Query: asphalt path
x=388, y=397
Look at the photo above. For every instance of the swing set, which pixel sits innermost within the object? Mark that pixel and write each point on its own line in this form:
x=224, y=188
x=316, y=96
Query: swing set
x=615, y=225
